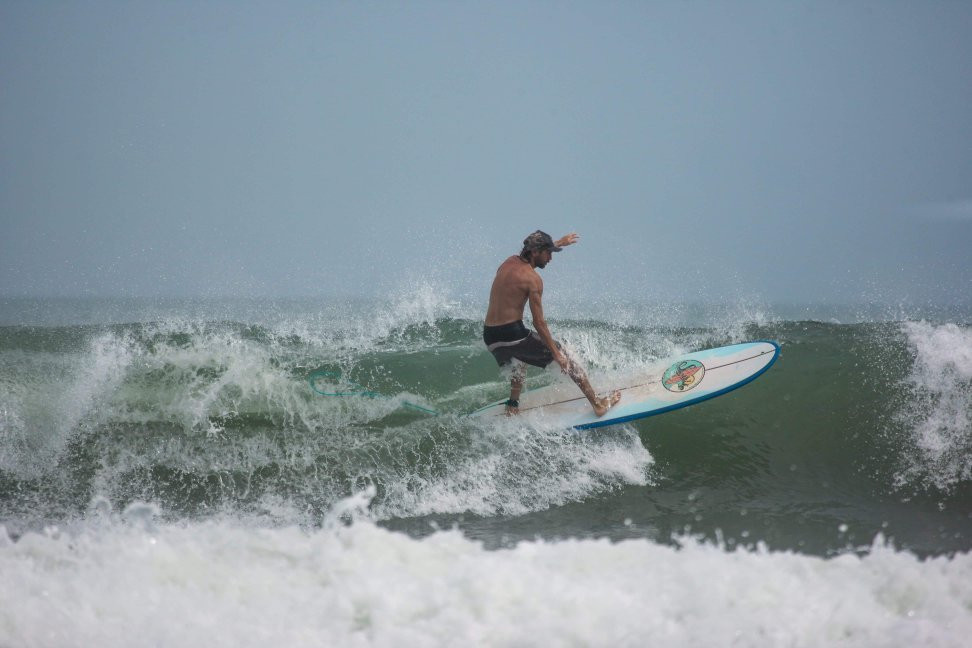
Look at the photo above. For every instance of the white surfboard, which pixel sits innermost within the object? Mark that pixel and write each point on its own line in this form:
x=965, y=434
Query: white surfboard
x=671, y=384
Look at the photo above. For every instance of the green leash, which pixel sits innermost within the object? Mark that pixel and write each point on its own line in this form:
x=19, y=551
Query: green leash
x=358, y=390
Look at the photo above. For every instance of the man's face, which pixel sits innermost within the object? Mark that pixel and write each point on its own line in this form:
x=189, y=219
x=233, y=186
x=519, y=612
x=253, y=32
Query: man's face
x=542, y=258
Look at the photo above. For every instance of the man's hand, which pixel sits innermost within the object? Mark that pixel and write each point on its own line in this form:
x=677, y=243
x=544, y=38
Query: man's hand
x=569, y=239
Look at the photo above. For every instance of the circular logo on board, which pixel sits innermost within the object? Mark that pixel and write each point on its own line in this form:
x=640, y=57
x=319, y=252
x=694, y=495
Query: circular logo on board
x=683, y=375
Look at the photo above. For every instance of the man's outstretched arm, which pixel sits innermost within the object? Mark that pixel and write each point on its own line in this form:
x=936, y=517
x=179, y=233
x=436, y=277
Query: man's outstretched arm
x=567, y=239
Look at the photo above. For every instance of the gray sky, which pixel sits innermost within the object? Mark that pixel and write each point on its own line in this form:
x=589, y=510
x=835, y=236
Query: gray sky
x=783, y=150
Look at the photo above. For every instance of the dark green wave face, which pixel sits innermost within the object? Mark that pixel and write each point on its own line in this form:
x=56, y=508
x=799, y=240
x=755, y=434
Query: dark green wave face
x=858, y=429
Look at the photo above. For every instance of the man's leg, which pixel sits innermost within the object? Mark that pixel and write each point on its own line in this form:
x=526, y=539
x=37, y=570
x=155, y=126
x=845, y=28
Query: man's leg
x=517, y=374
x=600, y=405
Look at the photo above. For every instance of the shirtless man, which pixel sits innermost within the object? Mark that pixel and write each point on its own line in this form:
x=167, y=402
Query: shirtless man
x=517, y=282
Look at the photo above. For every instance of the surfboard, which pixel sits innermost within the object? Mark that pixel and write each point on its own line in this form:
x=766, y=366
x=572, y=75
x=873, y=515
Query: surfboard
x=671, y=384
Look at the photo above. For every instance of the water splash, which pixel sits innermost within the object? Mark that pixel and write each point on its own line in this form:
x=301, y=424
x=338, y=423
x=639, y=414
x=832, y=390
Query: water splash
x=938, y=413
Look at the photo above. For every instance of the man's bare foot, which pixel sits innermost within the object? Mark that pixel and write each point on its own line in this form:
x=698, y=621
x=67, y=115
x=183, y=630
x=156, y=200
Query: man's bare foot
x=604, y=404
x=512, y=410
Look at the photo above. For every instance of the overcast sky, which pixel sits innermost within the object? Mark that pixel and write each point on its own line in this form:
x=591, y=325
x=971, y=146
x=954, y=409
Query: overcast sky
x=784, y=150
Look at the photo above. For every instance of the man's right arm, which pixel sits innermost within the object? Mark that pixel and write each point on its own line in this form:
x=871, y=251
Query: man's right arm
x=536, y=310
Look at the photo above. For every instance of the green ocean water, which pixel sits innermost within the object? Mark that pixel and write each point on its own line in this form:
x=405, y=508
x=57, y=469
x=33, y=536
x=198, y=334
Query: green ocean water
x=861, y=428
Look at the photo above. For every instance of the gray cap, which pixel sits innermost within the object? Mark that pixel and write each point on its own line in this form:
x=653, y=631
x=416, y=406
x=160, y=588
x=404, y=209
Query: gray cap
x=540, y=241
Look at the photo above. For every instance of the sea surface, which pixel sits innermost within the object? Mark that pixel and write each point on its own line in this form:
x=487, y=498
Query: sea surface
x=170, y=477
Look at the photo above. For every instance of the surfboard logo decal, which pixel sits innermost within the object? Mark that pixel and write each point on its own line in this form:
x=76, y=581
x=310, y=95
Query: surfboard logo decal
x=683, y=375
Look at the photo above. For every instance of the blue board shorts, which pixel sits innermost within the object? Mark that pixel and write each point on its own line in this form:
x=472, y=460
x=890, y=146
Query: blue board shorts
x=515, y=341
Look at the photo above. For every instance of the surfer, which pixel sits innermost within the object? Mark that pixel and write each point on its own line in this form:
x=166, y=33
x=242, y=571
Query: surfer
x=517, y=282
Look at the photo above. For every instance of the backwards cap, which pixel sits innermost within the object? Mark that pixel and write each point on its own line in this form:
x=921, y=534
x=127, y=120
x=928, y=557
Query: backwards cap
x=540, y=241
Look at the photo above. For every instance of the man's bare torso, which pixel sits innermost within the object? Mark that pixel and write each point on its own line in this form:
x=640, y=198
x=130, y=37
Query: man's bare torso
x=514, y=280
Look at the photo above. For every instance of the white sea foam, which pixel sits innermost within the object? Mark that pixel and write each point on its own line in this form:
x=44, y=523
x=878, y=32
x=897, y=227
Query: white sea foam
x=939, y=412
x=514, y=467
x=135, y=583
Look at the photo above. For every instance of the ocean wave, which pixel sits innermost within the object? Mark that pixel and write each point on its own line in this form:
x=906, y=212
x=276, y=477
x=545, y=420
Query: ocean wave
x=210, y=418
x=361, y=585
x=206, y=417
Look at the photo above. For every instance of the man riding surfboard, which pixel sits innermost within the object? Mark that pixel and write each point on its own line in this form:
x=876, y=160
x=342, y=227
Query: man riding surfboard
x=511, y=343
